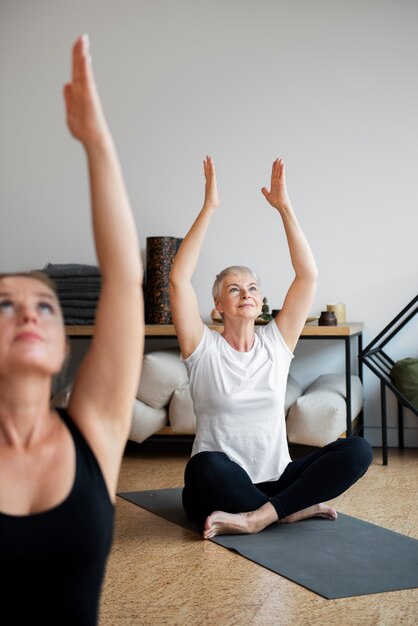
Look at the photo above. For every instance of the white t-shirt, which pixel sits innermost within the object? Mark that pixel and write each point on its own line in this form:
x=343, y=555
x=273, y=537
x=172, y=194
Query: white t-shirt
x=239, y=398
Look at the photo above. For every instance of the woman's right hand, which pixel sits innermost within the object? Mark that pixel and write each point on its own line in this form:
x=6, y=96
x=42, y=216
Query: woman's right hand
x=85, y=117
x=277, y=196
x=211, y=187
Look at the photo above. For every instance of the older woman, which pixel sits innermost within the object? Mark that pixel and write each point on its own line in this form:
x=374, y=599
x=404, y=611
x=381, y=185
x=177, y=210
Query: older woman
x=59, y=470
x=240, y=477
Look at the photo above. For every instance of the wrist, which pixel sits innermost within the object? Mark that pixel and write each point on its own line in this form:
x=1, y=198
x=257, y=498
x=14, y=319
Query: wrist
x=285, y=209
x=99, y=146
x=208, y=206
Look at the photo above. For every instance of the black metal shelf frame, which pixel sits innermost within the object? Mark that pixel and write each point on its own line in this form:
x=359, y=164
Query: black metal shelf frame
x=347, y=345
x=380, y=363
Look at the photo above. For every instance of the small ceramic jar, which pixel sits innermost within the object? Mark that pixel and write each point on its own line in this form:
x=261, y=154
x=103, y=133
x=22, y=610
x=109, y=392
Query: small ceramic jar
x=327, y=318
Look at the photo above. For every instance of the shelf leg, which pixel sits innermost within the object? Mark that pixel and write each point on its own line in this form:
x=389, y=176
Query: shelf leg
x=348, y=384
x=384, y=423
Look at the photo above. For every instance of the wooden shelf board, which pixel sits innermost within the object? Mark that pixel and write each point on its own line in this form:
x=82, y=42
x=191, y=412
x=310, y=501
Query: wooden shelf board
x=167, y=330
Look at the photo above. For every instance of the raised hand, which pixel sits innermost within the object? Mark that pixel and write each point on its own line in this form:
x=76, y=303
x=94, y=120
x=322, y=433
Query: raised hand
x=277, y=196
x=85, y=117
x=211, y=188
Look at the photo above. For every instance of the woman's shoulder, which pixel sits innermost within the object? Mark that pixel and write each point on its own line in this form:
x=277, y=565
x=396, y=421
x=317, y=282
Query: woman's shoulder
x=209, y=338
x=268, y=330
x=270, y=333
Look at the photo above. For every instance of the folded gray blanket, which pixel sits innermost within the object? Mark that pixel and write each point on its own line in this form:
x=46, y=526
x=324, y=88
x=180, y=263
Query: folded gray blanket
x=56, y=270
x=78, y=312
x=92, y=294
x=79, y=303
x=76, y=321
x=79, y=293
x=86, y=282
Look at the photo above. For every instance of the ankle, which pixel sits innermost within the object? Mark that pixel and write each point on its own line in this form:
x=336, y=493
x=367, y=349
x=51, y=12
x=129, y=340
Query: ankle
x=252, y=522
x=259, y=519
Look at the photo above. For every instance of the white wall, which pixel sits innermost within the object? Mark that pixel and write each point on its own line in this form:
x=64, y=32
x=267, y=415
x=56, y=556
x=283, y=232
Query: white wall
x=329, y=85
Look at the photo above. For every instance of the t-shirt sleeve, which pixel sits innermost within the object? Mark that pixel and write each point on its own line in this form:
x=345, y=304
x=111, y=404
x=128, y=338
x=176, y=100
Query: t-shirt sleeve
x=205, y=341
x=272, y=332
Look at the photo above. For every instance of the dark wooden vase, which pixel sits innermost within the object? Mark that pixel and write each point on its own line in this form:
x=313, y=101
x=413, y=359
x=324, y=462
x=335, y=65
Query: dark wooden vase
x=160, y=256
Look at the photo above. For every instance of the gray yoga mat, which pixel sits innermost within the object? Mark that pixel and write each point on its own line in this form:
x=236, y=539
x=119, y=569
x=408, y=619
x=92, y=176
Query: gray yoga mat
x=335, y=559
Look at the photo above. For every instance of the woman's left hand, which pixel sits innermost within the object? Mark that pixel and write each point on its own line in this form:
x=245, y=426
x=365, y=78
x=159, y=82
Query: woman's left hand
x=85, y=117
x=211, y=187
x=277, y=196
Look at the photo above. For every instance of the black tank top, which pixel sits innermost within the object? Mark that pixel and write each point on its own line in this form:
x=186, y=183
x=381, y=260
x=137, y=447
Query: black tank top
x=52, y=563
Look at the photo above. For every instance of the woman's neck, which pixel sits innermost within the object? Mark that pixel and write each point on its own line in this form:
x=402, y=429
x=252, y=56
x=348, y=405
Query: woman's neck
x=24, y=409
x=239, y=335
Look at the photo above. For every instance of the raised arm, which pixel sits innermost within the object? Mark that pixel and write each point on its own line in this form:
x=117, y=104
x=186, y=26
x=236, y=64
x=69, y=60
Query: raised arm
x=105, y=385
x=300, y=295
x=184, y=306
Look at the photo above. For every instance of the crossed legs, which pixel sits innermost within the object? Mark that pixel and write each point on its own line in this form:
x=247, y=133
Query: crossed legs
x=219, y=494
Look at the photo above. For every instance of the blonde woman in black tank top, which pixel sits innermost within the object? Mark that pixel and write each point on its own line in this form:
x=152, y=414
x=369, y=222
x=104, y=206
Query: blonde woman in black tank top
x=58, y=472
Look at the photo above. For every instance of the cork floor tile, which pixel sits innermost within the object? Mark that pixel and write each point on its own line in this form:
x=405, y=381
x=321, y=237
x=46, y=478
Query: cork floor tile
x=160, y=574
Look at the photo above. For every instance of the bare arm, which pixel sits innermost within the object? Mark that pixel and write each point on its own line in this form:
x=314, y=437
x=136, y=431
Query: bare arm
x=301, y=293
x=189, y=327
x=104, y=389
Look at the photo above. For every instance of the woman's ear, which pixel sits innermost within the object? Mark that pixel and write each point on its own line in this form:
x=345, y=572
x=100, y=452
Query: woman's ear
x=218, y=306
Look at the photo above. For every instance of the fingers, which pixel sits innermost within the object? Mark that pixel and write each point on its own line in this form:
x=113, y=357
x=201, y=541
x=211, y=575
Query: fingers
x=67, y=94
x=209, y=168
x=278, y=172
x=275, y=170
x=81, y=70
x=277, y=195
x=211, y=189
x=68, y=99
x=282, y=170
x=280, y=167
x=209, y=162
x=76, y=60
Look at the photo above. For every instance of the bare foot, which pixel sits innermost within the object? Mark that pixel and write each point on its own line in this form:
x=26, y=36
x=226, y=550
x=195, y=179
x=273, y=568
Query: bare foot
x=317, y=510
x=221, y=523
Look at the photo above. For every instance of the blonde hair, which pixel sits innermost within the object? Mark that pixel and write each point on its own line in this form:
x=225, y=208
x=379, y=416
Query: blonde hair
x=232, y=269
x=37, y=275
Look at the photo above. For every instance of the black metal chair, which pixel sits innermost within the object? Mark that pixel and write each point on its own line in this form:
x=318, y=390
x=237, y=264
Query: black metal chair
x=380, y=363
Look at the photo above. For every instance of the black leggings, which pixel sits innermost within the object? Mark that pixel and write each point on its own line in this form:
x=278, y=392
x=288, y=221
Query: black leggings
x=212, y=482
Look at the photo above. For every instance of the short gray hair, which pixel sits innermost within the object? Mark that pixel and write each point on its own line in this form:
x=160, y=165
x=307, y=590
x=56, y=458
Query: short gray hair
x=232, y=269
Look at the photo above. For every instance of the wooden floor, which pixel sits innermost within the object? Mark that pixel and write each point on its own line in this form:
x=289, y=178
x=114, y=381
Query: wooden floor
x=161, y=574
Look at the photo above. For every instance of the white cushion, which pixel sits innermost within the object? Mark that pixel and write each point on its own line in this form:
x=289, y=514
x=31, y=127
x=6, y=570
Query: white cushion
x=146, y=421
x=293, y=392
x=336, y=382
x=180, y=411
x=162, y=372
x=62, y=397
x=319, y=416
